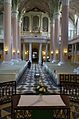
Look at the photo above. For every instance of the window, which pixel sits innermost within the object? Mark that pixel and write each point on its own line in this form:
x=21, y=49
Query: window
x=35, y=26
x=45, y=24
x=26, y=23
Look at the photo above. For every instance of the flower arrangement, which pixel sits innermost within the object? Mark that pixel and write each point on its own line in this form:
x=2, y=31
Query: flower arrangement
x=41, y=89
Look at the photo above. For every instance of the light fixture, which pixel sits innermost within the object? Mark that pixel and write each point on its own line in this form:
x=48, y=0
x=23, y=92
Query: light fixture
x=51, y=52
x=44, y=52
x=6, y=50
x=65, y=50
x=25, y=53
x=18, y=52
x=56, y=51
x=44, y=57
x=47, y=57
x=13, y=51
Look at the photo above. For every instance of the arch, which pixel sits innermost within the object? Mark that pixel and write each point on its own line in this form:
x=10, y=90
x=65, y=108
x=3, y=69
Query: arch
x=71, y=29
x=35, y=26
x=45, y=24
x=26, y=23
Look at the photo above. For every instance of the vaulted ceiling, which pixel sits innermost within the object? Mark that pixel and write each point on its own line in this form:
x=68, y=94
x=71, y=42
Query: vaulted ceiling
x=43, y=5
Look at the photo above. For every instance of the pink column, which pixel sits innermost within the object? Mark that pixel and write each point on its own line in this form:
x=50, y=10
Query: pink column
x=64, y=32
x=40, y=53
x=19, y=40
x=24, y=50
x=75, y=53
x=55, y=40
x=7, y=30
x=51, y=41
x=46, y=50
x=15, y=34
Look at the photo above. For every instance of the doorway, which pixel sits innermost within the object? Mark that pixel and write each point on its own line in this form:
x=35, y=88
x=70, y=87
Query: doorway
x=35, y=55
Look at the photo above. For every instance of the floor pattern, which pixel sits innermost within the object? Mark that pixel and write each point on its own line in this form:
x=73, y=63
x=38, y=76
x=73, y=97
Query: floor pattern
x=28, y=81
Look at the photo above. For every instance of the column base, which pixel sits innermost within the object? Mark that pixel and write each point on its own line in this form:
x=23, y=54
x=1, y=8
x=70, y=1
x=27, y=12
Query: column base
x=53, y=61
x=12, y=61
x=8, y=62
x=5, y=62
x=60, y=63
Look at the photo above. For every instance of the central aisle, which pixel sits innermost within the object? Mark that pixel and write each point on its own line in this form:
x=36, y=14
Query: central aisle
x=28, y=80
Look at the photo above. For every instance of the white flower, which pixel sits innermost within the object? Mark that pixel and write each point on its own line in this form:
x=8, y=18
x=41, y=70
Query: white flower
x=38, y=87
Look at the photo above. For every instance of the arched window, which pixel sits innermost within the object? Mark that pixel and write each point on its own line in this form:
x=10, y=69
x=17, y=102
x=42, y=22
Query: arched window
x=45, y=24
x=71, y=29
x=35, y=26
x=26, y=23
x=78, y=27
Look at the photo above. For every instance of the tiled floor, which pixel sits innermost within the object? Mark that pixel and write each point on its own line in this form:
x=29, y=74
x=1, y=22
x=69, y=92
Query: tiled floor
x=28, y=81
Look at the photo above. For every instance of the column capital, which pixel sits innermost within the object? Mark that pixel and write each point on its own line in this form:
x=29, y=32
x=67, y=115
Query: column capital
x=14, y=12
x=8, y=1
x=56, y=15
x=40, y=43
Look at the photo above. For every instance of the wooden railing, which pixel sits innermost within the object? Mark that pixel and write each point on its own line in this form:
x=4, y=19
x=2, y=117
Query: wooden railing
x=7, y=89
x=69, y=84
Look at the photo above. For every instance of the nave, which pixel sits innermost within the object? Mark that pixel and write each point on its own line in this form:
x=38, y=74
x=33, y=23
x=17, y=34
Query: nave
x=28, y=81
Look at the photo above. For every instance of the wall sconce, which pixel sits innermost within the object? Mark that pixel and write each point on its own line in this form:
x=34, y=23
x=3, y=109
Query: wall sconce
x=13, y=52
x=65, y=51
x=6, y=50
x=25, y=53
x=56, y=51
x=18, y=52
x=51, y=52
x=47, y=57
x=44, y=57
x=44, y=52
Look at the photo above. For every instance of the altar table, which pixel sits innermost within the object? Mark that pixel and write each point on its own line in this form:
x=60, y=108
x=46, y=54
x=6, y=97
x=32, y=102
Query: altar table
x=43, y=106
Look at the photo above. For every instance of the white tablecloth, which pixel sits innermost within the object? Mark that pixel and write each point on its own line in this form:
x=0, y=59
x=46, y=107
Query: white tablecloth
x=37, y=100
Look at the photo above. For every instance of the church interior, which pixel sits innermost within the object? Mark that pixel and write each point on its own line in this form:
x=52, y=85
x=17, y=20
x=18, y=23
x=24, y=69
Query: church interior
x=39, y=59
